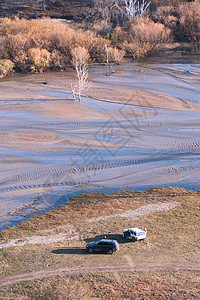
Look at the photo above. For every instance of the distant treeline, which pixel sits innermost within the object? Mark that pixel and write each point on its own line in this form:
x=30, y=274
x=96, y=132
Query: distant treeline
x=109, y=30
x=38, y=45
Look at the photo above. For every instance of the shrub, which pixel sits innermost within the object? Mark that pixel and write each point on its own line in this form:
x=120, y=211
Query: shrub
x=137, y=49
x=190, y=21
x=58, y=61
x=39, y=59
x=116, y=55
x=118, y=35
x=6, y=67
x=102, y=27
x=183, y=19
x=19, y=36
x=166, y=15
x=147, y=37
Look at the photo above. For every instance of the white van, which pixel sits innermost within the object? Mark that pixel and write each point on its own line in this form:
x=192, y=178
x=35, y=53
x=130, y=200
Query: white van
x=134, y=234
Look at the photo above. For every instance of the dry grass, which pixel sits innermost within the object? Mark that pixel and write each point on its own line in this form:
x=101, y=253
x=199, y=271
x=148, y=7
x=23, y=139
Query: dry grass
x=166, y=243
x=91, y=205
x=130, y=285
x=166, y=238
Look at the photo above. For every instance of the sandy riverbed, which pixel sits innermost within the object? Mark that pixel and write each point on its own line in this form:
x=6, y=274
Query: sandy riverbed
x=144, y=133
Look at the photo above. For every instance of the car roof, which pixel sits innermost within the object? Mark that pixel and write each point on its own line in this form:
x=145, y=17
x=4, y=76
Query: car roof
x=136, y=229
x=107, y=240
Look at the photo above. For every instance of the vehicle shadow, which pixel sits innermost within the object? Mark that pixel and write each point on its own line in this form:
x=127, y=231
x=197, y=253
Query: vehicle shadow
x=74, y=251
x=117, y=237
x=70, y=251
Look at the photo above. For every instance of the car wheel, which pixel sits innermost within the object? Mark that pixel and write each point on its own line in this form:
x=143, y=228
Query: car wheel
x=110, y=251
x=90, y=250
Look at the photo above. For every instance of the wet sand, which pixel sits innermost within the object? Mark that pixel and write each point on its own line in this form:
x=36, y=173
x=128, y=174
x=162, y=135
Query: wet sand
x=146, y=132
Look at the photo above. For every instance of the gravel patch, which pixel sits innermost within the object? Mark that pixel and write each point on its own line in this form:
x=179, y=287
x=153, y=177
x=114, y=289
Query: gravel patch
x=144, y=210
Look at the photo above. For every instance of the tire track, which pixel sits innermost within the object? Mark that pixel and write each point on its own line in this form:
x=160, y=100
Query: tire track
x=53, y=173
x=128, y=123
x=173, y=267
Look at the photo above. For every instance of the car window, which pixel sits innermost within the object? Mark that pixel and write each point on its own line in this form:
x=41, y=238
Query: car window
x=100, y=243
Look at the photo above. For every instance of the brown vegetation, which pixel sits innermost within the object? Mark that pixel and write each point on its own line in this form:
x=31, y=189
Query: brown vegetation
x=182, y=18
x=147, y=38
x=91, y=205
x=39, y=44
x=6, y=67
x=121, y=285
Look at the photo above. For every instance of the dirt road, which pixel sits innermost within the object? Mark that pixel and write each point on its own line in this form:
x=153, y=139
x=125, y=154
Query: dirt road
x=96, y=269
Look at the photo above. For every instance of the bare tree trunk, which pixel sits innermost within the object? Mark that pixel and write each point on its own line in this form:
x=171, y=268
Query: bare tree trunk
x=80, y=59
x=132, y=8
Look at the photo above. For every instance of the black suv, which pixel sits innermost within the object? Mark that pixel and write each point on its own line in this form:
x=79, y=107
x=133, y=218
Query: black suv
x=104, y=246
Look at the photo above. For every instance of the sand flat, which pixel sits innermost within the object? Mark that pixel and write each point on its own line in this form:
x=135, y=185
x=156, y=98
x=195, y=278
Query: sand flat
x=135, y=129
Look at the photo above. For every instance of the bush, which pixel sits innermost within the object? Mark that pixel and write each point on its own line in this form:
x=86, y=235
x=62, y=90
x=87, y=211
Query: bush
x=118, y=35
x=53, y=41
x=147, y=38
x=58, y=61
x=102, y=27
x=190, y=21
x=138, y=50
x=116, y=55
x=6, y=67
x=183, y=19
x=39, y=59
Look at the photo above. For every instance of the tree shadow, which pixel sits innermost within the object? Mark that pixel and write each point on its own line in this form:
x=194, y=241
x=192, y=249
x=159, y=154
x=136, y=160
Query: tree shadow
x=118, y=237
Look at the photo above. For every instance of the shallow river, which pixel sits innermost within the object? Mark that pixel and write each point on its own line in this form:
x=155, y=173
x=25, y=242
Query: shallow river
x=52, y=148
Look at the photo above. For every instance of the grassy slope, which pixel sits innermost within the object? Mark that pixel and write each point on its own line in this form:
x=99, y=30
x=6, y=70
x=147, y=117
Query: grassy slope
x=172, y=238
